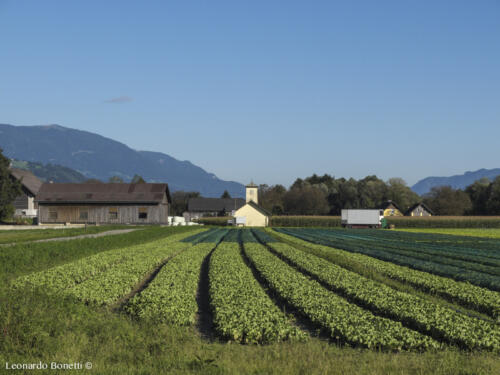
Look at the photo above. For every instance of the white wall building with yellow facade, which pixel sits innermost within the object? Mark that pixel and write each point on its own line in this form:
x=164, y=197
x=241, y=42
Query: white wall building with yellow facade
x=251, y=214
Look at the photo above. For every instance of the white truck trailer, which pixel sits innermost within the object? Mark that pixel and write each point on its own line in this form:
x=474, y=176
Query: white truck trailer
x=351, y=218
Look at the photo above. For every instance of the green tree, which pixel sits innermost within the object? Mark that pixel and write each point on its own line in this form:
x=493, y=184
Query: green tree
x=138, y=179
x=372, y=192
x=309, y=200
x=444, y=200
x=399, y=192
x=479, y=193
x=116, y=180
x=180, y=201
x=271, y=198
x=9, y=188
x=225, y=194
x=493, y=202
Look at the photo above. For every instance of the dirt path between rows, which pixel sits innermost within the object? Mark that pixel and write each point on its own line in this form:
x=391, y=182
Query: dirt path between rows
x=93, y=235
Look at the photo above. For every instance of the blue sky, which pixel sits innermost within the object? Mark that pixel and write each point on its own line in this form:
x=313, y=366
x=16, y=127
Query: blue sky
x=265, y=90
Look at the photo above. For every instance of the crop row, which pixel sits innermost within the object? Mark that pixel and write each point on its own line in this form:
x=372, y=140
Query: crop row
x=439, y=322
x=70, y=274
x=242, y=310
x=465, y=294
x=171, y=296
x=121, y=279
x=211, y=235
x=417, y=251
x=457, y=273
x=487, y=247
x=342, y=320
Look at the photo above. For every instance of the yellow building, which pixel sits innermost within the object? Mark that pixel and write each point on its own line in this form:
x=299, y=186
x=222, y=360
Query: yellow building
x=251, y=214
x=391, y=209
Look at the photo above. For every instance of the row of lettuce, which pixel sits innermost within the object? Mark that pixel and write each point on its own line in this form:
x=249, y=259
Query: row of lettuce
x=254, y=277
x=440, y=263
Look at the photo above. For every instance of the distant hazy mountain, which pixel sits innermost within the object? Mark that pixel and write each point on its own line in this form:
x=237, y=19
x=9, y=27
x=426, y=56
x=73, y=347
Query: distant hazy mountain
x=98, y=157
x=50, y=172
x=456, y=182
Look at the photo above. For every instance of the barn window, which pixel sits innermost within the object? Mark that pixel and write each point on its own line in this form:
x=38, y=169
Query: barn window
x=84, y=214
x=113, y=213
x=143, y=213
x=53, y=215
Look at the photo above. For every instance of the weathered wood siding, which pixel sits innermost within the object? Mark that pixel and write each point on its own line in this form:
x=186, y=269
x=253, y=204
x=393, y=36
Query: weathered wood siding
x=100, y=214
x=21, y=202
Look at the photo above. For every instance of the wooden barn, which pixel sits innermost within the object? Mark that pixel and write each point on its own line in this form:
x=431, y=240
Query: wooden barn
x=100, y=203
x=419, y=209
x=24, y=204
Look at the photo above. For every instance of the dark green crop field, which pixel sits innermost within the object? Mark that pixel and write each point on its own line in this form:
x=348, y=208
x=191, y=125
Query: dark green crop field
x=253, y=301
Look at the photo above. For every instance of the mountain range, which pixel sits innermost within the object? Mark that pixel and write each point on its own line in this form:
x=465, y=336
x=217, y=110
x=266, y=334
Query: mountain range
x=50, y=172
x=98, y=157
x=457, y=182
x=93, y=156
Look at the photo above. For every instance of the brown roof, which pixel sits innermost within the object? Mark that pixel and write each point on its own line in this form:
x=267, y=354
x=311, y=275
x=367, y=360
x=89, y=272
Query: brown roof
x=214, y=204
x=27, y=179
x=102, y=193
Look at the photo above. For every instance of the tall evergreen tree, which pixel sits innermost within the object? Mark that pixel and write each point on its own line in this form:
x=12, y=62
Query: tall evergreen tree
x=9, y=188
x=226, y=194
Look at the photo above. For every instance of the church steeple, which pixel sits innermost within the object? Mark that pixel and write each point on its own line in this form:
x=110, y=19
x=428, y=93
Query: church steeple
x=252, y=193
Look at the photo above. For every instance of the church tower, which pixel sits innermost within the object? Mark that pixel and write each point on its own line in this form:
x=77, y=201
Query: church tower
x=252, y=193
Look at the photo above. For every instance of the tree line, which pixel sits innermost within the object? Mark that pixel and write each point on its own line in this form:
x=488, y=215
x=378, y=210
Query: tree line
x=325, y=195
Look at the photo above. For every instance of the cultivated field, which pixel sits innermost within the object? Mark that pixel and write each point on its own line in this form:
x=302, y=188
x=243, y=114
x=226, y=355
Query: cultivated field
x=284, y=300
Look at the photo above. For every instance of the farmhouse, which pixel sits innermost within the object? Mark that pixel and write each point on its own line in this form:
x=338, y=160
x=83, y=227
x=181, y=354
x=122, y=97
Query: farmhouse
x=201, y=207
x=100, y=203
x=24, y=204
x=391, y=209
x=251, y=214
x=419, y=209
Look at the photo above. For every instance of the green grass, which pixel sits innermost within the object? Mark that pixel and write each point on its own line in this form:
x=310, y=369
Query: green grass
x=35, y=327
x=472, y=232
x=27, y=235
x=24, y=258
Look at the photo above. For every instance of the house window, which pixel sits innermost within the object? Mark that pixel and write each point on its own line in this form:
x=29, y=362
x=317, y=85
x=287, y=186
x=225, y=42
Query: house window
x=53, y=215
x=143, y=213
x=84, y=214
x=113, y=213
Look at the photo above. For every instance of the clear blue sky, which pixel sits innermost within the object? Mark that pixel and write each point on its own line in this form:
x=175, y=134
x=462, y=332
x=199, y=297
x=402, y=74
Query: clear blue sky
x=269, y=90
